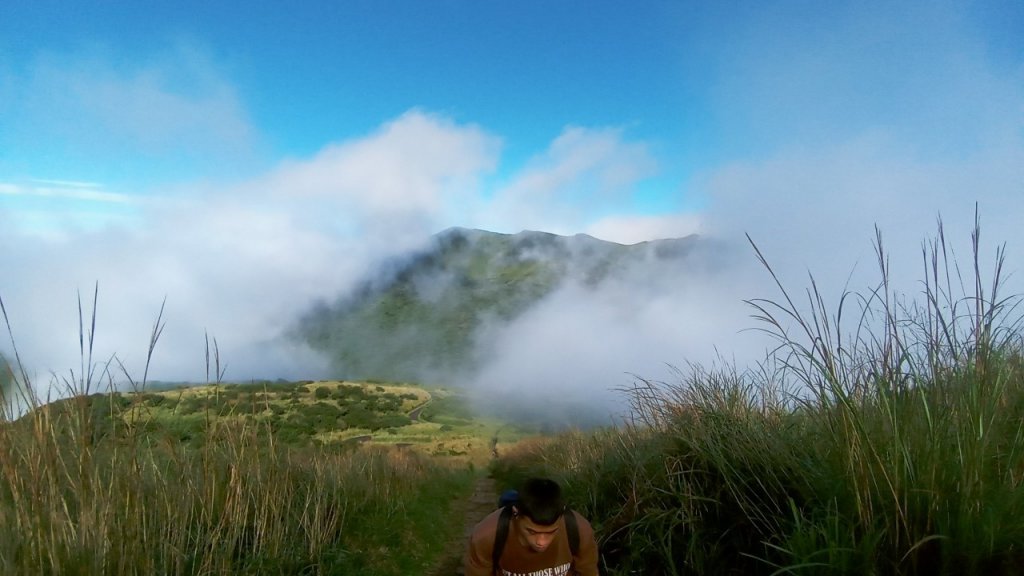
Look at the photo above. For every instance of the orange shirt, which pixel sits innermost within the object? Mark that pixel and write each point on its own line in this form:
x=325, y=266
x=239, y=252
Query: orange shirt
x=519, y=560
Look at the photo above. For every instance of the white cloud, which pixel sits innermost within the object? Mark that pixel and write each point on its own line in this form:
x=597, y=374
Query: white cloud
x=922, y=73
x=627, y=229
x=894, y=115
x=581, y=346
x=816, y=211
x=584, y=174
x=243, y=261
x=57, y=208
x=89, y=195
x=415, y=174
x=67, y=183
x=176, y=104
x=889, y=116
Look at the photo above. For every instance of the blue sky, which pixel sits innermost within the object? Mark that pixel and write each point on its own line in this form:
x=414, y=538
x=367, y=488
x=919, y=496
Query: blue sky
x=135, y=97
x=283, y=82
x=185, y=149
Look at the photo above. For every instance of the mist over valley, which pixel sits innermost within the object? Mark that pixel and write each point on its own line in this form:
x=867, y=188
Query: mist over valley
x=529, y=319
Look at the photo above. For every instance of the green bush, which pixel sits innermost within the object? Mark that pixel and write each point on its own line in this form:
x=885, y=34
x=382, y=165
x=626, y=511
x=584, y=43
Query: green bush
x=350, y=393
x=191, y=405
x=391, y=421
x=154, y=400
x=359, y=417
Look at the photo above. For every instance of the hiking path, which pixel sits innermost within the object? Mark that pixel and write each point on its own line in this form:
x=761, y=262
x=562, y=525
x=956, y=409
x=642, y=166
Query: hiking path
x=482, y=502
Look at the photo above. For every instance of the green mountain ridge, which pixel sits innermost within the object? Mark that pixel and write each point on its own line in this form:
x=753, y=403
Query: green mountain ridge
x=420, y=318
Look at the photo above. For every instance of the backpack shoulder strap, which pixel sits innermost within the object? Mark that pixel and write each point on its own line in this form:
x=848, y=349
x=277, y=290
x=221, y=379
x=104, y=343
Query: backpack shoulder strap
x=501, y=535
x=572, y=530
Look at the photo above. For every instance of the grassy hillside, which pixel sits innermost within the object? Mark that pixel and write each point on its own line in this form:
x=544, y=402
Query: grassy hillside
x=420, y=319
x=265, y=478
x=436, y=422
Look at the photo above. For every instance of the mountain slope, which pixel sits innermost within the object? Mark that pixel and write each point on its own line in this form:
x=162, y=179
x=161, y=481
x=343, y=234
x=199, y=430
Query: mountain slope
x=420, y=318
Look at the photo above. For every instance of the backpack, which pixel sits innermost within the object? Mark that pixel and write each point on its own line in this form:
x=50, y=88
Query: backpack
x=507, y=500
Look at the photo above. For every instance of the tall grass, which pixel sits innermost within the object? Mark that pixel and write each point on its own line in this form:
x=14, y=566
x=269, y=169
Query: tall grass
x=76, y=499
x=884, y=437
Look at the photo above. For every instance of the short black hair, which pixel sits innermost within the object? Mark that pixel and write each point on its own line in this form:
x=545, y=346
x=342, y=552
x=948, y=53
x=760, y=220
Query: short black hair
x=540, y=499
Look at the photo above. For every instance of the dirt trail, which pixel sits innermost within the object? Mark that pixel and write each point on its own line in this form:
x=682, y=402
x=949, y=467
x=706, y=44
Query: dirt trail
x=482, y=502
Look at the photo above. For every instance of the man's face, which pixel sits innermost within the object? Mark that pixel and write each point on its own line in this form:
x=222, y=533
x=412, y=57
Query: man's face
x=534, y=535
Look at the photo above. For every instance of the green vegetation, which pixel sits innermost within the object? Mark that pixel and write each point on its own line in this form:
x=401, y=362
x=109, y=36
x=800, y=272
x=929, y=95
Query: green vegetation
x=890, y=446
x=299, y=414
x=898, y=450
x=424, y=319
x=421, y=322
x=238, y=505
x=224, y=479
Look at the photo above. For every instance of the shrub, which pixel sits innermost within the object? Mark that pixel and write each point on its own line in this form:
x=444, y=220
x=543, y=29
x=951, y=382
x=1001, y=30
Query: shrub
x=191, y=405
x=154, y=400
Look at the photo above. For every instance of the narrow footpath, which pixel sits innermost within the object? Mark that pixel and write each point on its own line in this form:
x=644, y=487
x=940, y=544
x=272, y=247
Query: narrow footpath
x=483, y=501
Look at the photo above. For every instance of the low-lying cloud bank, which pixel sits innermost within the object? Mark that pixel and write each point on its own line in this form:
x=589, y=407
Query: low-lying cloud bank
x=242, y=263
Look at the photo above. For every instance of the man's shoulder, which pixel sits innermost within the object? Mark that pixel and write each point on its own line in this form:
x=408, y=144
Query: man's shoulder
x=583, y=526
x=581, y=520
x=487, y=528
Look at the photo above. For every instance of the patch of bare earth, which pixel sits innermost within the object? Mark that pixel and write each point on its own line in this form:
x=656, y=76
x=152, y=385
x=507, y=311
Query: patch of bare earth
x=481, y=503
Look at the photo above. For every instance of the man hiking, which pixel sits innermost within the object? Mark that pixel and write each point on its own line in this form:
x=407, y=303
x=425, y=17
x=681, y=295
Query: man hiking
x=535, y=535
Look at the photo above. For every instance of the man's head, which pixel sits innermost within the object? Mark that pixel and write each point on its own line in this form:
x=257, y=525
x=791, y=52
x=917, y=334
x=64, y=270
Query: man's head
x=537, y=512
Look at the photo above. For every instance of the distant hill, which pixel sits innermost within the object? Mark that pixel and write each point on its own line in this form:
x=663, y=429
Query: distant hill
x=436, y=421
x=418, y=320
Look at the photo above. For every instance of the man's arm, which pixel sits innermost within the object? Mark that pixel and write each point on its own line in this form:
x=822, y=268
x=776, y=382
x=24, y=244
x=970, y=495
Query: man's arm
x=477, y=559
x=585, y=563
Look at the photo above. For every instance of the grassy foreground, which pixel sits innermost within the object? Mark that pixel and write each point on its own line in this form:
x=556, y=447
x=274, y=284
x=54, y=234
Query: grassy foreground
x=892, y=446
x=237, y=504
x=267, y=478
